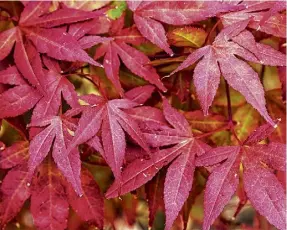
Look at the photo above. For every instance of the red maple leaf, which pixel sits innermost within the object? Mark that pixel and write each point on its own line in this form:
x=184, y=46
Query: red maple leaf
x=109, y=117
x=262, y=188
x=220, y=59
x=179, y=177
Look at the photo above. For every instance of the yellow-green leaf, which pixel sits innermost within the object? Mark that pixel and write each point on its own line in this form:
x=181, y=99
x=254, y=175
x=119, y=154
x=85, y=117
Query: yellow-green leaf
x=187, y=36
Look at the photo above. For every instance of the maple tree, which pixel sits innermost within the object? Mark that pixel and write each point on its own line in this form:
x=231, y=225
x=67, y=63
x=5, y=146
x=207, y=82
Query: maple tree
x=162, y=114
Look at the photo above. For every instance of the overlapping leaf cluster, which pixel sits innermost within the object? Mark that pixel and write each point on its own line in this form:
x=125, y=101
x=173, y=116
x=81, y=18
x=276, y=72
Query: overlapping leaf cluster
x=91, y=84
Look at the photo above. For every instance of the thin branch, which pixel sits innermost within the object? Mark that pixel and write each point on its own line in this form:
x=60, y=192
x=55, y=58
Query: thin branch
x=226, y=127
x=230, y=120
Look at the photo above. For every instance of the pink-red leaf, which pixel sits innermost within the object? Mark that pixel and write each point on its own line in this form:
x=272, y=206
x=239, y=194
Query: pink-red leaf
x=178, y=183
x=245, y=81
x=138, y=63
x=62, y=16
x=7, y=40
x=90, y=206
x=220, y=186
x=259, y=134
x=14, y=155
x=15, y=191
x=140, y=94
x=266, y=194
x=41, y=144
x=183, y=12
x=153, y=31
x=206, y=80
x=49, y=205
x=141, y=171
x=58, y=44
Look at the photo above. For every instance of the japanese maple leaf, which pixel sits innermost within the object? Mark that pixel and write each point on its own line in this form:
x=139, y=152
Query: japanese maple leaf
x=56, y=134
x=112, y=120
x=14, y=192
x=134, y=60
x=49, y=202
x=262, y=187
x=55, y=42
x=221, y=60
x=181, y=157
x=56, y=87
x=18, y=99
x=270, y=21
x=14, y=155
x=174, y=13
x=90, y=206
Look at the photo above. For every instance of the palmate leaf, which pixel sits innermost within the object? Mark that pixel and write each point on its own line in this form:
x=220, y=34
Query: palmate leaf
x=89, y=207
x=134, y=60
x=15, y=190
x=49, y=203
x=109, y=117
x=174, y=13
x=14, y=155
x=55, y=42
x=57, y=131
x=7, y=40
x=221, y=59
x=45, y=50
x=262, y=187
x=20, y=98
x=179, y=176
x=270, y=21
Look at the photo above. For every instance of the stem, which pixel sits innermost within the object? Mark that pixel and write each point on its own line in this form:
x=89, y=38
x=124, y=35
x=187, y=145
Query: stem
x=212, y=132
x=230, y=120
x=211, y=31
x=228, y=102
x=4, y=18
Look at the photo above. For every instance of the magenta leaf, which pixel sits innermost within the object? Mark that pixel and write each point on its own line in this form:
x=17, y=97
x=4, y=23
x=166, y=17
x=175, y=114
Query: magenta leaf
x=266, y=194
x=89, y=207
x=65, y=47
x=15, y=191
x=20, y=98
x=140, y=94
x=14, y=155
x=69, y=165
x=7, y=40
x=49, y=205
x=220, y=186
x=153, y=31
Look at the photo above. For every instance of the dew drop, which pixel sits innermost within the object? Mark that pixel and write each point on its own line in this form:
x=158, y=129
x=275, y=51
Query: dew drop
x=2, y=147
x=144, y=175
x=142, y=160
x=261, y=62
x=28, y=184
x=172, y=54
x=259, y=27
x=120, y=198
x=81, y=195
x=275, y=126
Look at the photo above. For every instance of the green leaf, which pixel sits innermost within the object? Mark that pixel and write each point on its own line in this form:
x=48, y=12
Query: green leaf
x=117, y=11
